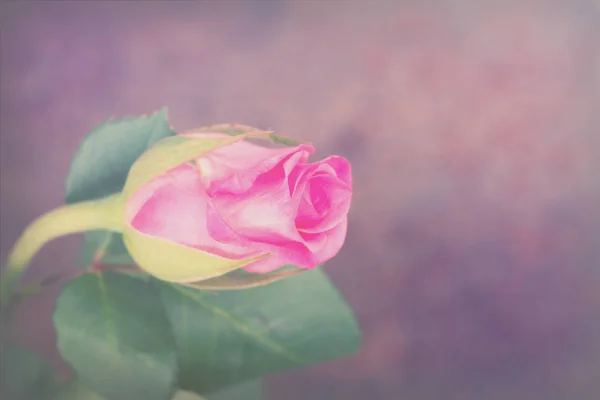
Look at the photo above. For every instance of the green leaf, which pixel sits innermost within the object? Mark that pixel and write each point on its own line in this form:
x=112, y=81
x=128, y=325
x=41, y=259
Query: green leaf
x=228, y=337
x=100, y=165
x=78, y=391
x=113, y=331
x=247, y=391
x=24, y=376
x=107, y=246
x=250, y=390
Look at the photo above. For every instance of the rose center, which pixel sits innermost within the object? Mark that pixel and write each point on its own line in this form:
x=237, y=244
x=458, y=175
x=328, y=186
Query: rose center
x=319, y=197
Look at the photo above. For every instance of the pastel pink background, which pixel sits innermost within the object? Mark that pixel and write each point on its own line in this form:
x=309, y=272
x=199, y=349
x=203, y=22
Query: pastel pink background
x=473, y=257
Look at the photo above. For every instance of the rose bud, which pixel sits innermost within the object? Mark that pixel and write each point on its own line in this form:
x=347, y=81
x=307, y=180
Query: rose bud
x=202, y=204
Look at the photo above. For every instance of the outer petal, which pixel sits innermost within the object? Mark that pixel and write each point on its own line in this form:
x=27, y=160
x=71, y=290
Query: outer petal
x=328, y=243
x=314, y=250
x=266, y=265
x=175, y=207
x=234, y=168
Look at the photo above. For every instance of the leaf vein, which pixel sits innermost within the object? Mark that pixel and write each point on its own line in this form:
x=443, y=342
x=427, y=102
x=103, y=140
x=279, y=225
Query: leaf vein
x=241, y=326
x=111, y=331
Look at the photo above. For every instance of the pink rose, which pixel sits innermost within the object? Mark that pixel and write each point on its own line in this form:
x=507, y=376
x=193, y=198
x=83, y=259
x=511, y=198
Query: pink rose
x=244, y=200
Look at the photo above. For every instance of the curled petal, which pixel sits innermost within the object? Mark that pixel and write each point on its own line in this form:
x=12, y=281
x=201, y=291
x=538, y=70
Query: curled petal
x=326, y=195
x=314, y=250
x=266, y=212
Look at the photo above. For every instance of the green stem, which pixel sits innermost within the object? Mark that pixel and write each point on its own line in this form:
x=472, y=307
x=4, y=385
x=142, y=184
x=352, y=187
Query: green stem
x=106, y=214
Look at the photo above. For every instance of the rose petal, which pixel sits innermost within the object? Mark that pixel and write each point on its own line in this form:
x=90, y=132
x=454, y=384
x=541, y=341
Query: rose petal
x=313, y=251
x=267, y=211
x=326, y=197
x=265, y=265
x=235, y=167
x=326, y=245
x=174, y=206
x=341, y=166
x=325, y=202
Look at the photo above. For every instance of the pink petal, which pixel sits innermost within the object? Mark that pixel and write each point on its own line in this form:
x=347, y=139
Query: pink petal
x=235, y=167
x=265, y=265
x=326, y=195
x=325, y=246
x=266, y=212
x=175, y=207
x=315, y=250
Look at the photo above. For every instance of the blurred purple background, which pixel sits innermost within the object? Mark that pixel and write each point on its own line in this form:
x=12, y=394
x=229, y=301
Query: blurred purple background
x=473, y=257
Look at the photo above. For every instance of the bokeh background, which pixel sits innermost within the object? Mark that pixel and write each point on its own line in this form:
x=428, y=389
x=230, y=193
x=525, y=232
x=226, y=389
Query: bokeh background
x=473, y=256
